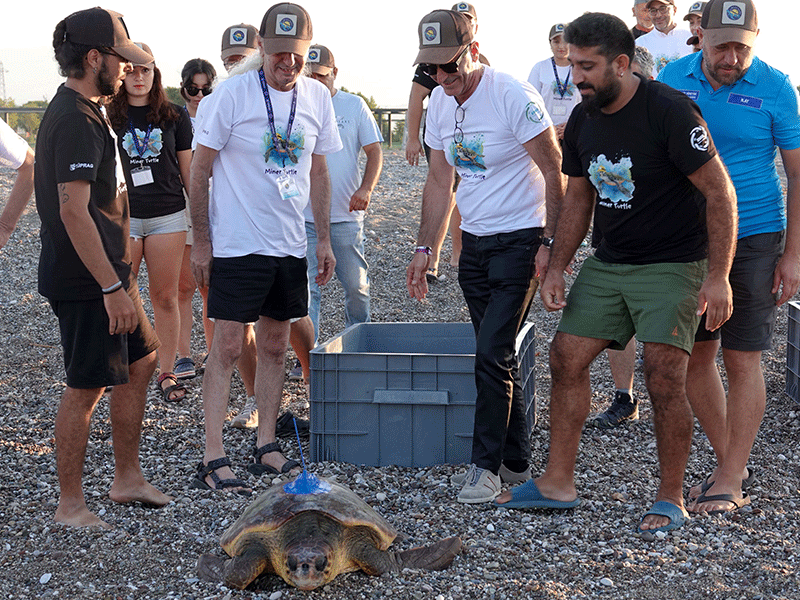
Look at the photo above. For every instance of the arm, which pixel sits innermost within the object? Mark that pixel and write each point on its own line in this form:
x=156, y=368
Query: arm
x=436, y=203
x=574, y=218
x=787, y=273
x=546, y=153
x=413, y=121
x=372, y=171
x=202, y=162
x=185, y=166
x=320, y=198
x=17, y=199
x=73, y=198
x=716, y=297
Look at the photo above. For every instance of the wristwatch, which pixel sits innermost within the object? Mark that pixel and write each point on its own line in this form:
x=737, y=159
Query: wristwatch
x=547, y=242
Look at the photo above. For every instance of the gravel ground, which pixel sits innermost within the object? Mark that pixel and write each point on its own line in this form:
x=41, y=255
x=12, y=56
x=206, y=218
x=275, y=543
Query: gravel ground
x=591, y=551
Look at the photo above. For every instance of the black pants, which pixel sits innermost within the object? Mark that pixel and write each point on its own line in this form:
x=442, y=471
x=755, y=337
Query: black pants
x=497, y=276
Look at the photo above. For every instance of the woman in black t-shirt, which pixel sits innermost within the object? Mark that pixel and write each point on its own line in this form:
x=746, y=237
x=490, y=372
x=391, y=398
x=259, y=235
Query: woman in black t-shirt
x=154, y=139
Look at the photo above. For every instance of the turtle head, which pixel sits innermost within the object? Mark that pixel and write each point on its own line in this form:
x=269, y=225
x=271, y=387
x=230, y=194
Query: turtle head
x=308, y=564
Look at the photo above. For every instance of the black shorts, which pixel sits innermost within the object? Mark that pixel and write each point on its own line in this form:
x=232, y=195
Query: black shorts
x=92, y=357
x=246, y=287
x=752, y=324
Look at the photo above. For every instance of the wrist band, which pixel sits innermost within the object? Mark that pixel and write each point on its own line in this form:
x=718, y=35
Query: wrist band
x=424, y=249
x=112, y=288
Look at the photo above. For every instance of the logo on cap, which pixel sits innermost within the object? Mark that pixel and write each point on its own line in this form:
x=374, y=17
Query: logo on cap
x=462, y=7
x=695, y=6
x=431, y=33
x=733, y=13
x=238, y=37
x=286, y=24
x=313, y=55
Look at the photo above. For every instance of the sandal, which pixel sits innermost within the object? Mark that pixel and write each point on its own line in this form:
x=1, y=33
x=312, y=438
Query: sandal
x=257, y=468
x=209, y=470
x=184, y=368
x=284, y=427
x=431, y=276
x=170, y=389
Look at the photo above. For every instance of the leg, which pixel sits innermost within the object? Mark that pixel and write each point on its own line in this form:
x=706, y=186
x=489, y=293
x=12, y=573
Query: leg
x=186, y=288
x=137, y=251
x=665, y=377
x=347, y=239
x=208, y=324
x=127, y=411
x=72, y=435
x=301, y=337
x=314, y=293
x=455, y=236
x=623, y=407
x=162, y=253
x=622, y=365
x=248, y=361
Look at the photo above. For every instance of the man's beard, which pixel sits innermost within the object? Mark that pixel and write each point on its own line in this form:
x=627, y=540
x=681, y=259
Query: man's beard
x=106, y=84
x=603, y=96
x=726, y=78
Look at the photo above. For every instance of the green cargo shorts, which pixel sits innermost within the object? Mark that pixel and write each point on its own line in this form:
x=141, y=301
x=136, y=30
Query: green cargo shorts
x=656, y=302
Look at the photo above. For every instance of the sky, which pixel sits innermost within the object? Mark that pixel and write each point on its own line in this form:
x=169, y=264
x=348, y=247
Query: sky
x=374, y=42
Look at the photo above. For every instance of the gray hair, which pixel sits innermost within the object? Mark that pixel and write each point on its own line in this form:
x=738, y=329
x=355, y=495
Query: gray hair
x=645, y=61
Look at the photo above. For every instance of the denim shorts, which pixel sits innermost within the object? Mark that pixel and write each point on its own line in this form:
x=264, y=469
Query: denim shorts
x=174, y=223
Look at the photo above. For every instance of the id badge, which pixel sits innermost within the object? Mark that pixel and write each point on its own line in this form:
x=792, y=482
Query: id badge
x=287, y=187
x=141, y=176
x=559, y=111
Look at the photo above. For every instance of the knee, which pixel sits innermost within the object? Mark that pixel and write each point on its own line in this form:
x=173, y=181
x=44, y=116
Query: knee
x=165, y=299
x=563, y=362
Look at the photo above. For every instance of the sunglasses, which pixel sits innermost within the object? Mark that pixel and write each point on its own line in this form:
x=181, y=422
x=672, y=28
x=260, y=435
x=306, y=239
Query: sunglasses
x=112, y=53
x=193, y=90
x=451, y=67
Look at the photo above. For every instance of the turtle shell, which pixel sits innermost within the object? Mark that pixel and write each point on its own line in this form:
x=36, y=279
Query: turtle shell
x=275, y=508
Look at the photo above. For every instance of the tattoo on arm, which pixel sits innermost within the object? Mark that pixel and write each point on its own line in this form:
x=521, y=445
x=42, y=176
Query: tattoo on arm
x=63, y=197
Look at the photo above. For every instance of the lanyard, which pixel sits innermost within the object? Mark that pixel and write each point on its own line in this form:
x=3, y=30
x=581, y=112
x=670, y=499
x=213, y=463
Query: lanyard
x=279, y=143
x=562, y=88
x=140, y=148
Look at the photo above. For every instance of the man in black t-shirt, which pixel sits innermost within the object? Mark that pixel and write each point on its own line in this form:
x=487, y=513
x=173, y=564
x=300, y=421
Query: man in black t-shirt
x=84, y=268
x=665, y=203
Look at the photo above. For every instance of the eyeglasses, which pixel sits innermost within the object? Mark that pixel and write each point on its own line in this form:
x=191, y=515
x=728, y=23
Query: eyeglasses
x=451, y=67
x=193, y=90
x=661, y=10
x=112, y=53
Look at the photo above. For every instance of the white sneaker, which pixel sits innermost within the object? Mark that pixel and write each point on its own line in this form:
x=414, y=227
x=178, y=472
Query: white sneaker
x=480, y=485
x=248, y=416
x=506, y=476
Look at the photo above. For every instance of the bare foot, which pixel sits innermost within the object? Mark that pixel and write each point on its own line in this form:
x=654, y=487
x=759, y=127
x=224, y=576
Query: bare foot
x=144, y=493
x=79, y=517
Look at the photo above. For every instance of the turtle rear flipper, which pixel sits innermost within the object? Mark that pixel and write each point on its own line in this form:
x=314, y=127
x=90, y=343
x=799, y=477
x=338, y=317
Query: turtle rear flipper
x=434, y=557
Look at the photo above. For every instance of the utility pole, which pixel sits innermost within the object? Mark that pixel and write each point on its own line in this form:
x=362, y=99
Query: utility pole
x=2, y=82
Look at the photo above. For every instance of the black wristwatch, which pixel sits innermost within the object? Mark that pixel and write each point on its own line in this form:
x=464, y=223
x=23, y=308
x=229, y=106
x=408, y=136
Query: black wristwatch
x=547, y=242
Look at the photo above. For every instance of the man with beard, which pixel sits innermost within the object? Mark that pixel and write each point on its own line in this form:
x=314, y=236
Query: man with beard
x=751, y=109
x=643, y=150
x=666, y=42
x=84, y=269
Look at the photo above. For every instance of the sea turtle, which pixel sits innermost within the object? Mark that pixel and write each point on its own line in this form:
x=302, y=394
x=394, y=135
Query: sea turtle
x=309, y=538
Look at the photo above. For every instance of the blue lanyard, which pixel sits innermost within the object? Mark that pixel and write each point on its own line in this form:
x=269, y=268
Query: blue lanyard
x=140, y=149
x=279, y=143
x=562, y=88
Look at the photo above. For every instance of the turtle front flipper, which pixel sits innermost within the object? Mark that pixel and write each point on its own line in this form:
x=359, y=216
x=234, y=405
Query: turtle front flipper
x=435, y=557
x=241, y=570
x=211, y=567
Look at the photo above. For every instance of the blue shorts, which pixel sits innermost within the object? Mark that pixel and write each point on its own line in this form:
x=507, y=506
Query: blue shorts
x=174, y=223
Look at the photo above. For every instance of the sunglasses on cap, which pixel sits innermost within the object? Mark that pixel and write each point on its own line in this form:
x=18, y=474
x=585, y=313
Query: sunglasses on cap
x=451, y=67
x=193, y=90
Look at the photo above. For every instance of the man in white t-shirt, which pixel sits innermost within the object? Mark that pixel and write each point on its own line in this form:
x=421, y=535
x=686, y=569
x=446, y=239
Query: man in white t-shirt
x=350, y=193
x=265, y=132
x=552, y=78
x=667, y=41
x=15, y=153
x=495, y=131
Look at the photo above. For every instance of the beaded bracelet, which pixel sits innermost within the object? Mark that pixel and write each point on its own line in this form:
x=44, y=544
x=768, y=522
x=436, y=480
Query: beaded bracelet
x=424, y=249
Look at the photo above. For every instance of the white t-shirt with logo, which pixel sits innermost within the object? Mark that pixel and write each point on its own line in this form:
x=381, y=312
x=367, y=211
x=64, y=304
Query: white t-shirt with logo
x=558, y=106
x=247, y=214
x=357, y=128
x=666, y=47
x=13, y=149
x=501, y=188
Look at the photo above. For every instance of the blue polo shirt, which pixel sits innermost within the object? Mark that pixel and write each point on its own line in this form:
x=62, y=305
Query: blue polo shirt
x=748, y=122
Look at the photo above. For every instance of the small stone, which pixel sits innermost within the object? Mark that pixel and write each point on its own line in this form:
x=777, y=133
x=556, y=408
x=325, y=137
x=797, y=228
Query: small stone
x=45, y=578
x=275, y=595
x=380, y=496
x=606, y=582
x=490, y=527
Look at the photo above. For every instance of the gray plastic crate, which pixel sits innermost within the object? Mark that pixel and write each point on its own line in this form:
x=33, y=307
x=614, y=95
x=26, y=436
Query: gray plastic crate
x=793, y=352
x=402, y=393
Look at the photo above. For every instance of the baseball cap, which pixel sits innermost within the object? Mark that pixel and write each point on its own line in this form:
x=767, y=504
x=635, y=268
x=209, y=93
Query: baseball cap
x=320, y=60
x=286, y=27
x=695, y=9
x=730, y=21
x=465, y=7
x=101, y=28
x=239, y=40
x=146, y=48
x=443, y=34
x=649, y=2
x=640, y=2
x=557, y=29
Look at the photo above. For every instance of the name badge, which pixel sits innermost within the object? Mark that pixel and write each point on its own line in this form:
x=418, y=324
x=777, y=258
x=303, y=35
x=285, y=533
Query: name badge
x=745, y=100
x=287, y=186
x=559, y=111
x=141, y=176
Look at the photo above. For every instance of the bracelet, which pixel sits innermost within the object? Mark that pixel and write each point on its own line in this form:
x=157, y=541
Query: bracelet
x=112, y=288
x=547, y=242
x=424, y=249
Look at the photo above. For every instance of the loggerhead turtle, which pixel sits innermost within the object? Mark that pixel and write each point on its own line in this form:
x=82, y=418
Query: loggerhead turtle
x=309, y=538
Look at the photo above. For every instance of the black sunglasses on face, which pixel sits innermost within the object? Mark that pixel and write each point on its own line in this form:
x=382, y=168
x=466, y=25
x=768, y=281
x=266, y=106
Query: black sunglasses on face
x=193, y=90
x=450, y=67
